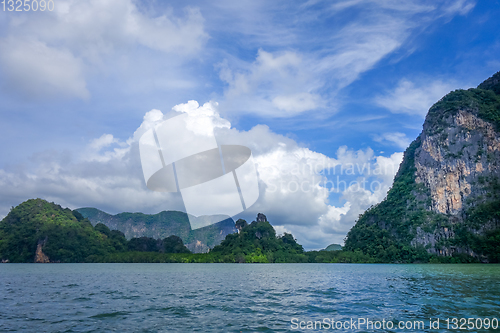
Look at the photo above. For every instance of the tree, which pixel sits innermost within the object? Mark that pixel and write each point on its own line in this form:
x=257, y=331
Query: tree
x=174, y=244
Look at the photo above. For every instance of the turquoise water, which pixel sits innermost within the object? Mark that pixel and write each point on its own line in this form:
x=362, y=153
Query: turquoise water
x=243, y=297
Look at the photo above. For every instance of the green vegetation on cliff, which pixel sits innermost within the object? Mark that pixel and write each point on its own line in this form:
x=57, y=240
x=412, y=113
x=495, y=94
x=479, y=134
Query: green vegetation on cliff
x=384, y=231
x=37, y=227
x=66, y=236
x=478, y=216
x=396, y=229
x=63, y=235
x=257, y=242
x=486, y=102
x=333, y=247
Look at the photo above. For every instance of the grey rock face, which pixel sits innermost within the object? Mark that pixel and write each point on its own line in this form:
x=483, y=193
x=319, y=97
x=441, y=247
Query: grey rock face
x=261, y=218
x=456, y=166
x=452, y=163
x=162, y=225
x=446, y=194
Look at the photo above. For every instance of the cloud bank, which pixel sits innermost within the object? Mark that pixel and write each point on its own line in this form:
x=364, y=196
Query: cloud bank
x=296, y=183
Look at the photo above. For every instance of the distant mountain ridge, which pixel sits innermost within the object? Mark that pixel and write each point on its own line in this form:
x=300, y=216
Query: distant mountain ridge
x=161, y=225
x=333, y=247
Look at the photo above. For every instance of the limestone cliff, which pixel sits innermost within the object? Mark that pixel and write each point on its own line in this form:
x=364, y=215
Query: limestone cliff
x=446, y=195
x=162, y=225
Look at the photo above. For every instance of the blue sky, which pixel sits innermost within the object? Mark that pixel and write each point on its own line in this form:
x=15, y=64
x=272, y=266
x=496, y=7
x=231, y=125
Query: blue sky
x=302, y=83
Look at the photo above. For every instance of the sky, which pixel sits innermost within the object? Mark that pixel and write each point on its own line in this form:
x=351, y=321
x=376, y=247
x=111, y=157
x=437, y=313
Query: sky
x=326, y=94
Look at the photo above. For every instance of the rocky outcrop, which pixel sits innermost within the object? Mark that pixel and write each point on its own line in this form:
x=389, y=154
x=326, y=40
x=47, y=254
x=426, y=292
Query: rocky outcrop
x=198, y=247
x=41, y=257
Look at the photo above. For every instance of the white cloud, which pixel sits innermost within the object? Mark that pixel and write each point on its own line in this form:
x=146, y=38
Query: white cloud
x=273, y=85
x=296, y=103
x=387, y=167
x=106, y=148
x=287, y=83
x=357, y=47
x=149, y=120
x=40, y=71
x=48, y=54
x=202, y=120
x=414, y=99
x=93, y=28
x=460, y=7
x=108, y=176
x=331, y=220
x=397, y=139
x=350, y=157
x=405, y=6
x=333, y=225
x=95, y=36
x=450, y=7
x=104, y=141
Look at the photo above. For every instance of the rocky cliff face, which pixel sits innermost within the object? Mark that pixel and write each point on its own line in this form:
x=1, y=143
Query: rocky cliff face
x=446, y=195
x=452, y=168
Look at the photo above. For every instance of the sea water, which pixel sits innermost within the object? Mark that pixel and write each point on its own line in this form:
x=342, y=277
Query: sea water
x=248, y=297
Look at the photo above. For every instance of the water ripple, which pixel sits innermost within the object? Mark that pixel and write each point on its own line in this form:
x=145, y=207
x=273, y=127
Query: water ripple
x=237, y=298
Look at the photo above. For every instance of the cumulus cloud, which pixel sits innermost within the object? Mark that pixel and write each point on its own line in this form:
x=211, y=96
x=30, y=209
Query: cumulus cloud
x=202, y=120
x=388, y=167
x=293, y=179
x=297, y=184
x=410, y=98
x=46, y=55
x=335, y=220
x=106, y=148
